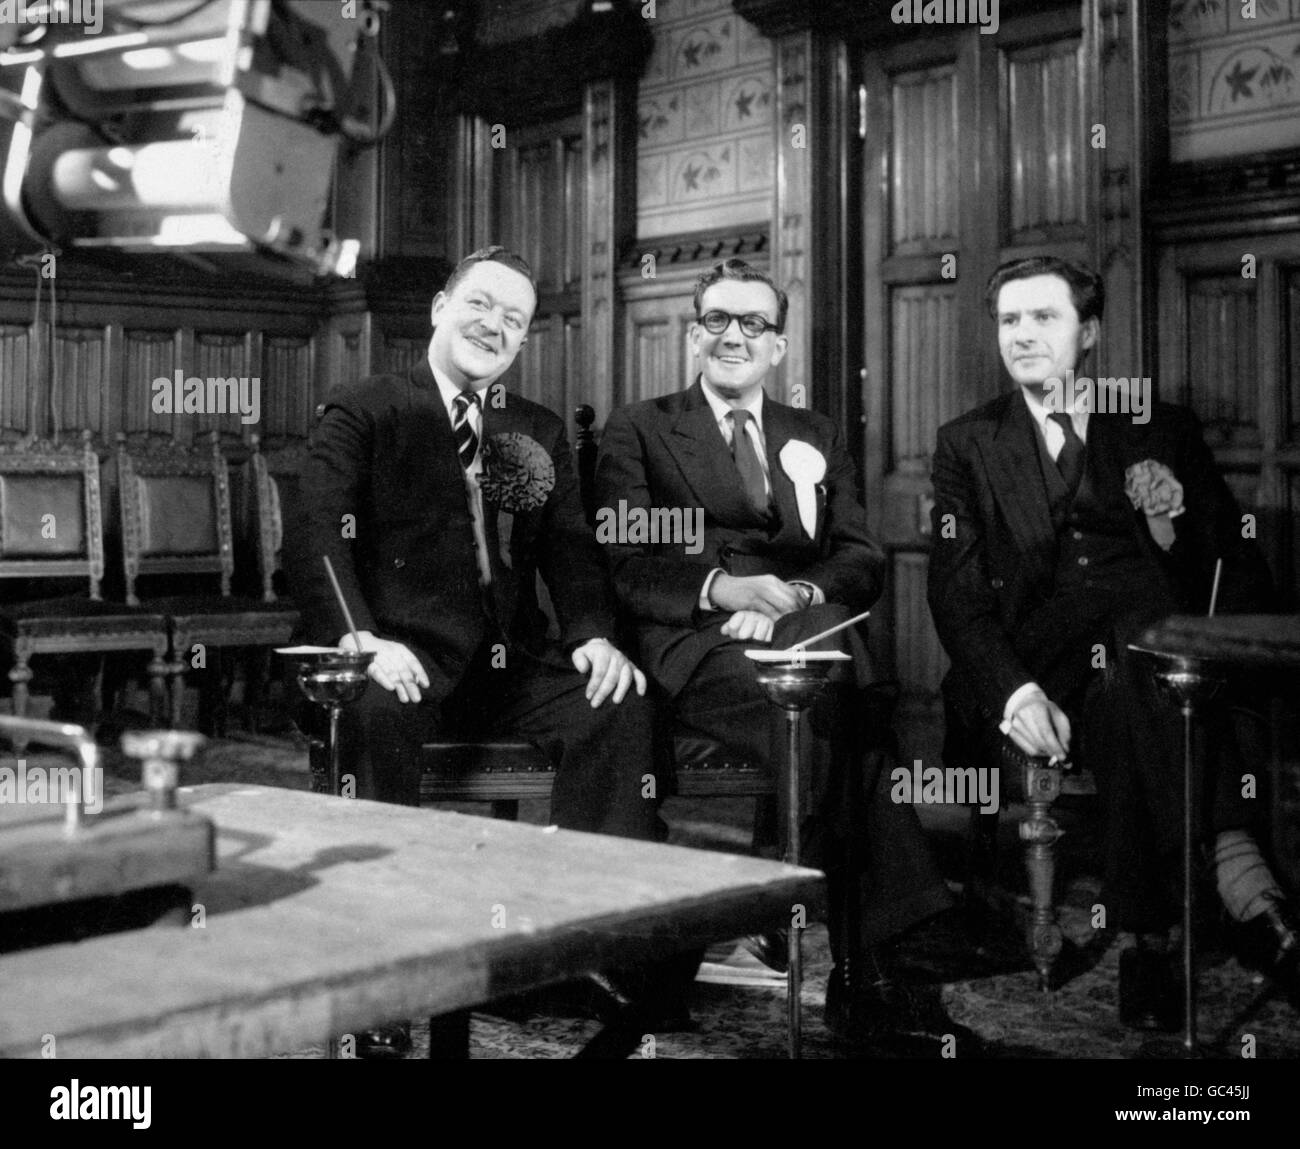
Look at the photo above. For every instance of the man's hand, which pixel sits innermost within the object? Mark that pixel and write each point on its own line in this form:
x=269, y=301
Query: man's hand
x=610, y=670
x=748, y=626
x=393, y=667
x=766, y=594
x=1040, y=728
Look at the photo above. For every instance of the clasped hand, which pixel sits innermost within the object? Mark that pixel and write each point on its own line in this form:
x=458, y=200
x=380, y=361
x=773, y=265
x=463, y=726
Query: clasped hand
x=756, y=602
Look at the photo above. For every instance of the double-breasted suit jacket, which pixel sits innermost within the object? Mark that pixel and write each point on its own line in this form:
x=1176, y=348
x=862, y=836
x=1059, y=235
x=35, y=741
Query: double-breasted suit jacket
x=386, y=500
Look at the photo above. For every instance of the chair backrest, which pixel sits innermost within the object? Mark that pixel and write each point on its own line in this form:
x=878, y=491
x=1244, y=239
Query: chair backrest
x=175, y=503
x=50, y=512
x=276, y=487
x=585, y=450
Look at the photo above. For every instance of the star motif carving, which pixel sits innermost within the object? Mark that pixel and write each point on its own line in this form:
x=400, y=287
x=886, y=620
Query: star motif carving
x=1238, y=81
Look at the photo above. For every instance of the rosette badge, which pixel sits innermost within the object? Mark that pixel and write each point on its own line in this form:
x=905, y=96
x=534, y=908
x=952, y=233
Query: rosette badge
x=1153, y=490
x=806, y=467
x=518, y=476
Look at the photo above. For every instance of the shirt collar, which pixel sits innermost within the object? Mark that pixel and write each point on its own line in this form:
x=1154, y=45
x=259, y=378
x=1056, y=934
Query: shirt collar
x=1040, y=413
x=721, y=408
x=448, y=390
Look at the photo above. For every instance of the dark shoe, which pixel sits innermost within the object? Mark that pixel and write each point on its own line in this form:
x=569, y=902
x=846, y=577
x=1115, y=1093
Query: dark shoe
x=885, y=1017
x=389, y=1043
x=772, y=949
x=1148, y=992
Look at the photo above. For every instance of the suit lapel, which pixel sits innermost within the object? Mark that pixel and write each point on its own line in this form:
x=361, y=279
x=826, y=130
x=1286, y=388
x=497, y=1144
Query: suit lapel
x=1011, y=456
x=440, y=468
x=701, y=452
x=1113, y=446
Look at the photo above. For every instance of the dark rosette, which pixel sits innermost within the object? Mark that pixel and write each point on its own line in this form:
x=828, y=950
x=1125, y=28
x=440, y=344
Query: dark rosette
x=518, y=474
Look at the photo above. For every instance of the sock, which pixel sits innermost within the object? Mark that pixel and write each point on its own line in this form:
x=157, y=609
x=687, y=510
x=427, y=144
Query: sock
x=1246, y=884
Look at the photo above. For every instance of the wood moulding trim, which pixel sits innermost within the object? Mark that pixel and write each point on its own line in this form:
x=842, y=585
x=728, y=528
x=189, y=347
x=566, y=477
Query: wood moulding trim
x=697, y=248
x=1257, y=193
x=861, y=19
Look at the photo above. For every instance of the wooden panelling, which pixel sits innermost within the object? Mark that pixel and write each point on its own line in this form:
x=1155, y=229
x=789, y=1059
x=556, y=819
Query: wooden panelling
x=540, y=203
x=656, y=356
x=400, y=353
x=1044, y=139
x=149, y=355
x=1291, y=337
x=288, y=368
x=221, y=355
x=1222, y=383
x=921, y=662
x=1228, y=349
x=80, y=377
x=15, y=350
x=924, y=386
x=549, y=368
x=923, y=168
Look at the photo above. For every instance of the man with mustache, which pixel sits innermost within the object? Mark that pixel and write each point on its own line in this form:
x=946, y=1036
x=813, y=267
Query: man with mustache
x=1061, y=532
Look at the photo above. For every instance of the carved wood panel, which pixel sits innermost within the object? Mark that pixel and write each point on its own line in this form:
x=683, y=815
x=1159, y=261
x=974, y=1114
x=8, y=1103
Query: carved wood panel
x=1044, y=99
x=15, y=395
x=1222, y=380
x=148, y=355
x=288, y=368
x=924, y=183
x=924, y=386
x=80, y=379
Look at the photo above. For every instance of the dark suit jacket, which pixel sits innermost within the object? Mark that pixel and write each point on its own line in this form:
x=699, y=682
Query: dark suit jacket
x=669, y=453
x=384, y=454
x=993, y=570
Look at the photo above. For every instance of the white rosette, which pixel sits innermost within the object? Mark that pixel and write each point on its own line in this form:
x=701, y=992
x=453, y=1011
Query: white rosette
x=806, y=467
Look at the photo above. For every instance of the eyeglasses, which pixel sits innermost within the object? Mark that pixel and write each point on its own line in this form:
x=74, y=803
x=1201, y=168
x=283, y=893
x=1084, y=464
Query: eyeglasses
x=753, y=324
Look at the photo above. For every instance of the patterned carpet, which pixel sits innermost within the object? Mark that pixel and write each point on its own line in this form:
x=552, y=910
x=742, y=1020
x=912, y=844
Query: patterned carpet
x=977, y=968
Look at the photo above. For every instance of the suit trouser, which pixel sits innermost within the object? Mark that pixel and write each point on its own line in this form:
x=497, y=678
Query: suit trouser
x=601, y=756
x=897, y=882
x=1131, y=736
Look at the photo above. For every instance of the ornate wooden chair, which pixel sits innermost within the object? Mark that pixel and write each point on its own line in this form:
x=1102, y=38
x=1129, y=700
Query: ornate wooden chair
x=176, y=520
x=51, y=527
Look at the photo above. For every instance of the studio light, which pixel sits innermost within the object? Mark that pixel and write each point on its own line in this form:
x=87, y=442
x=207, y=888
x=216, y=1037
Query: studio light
x=200, y=125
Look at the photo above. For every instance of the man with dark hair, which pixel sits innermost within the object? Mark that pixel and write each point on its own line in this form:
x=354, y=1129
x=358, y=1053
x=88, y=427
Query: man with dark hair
x=1061, y=531
x=783, y=554
x=409, y=492
x=439, y=497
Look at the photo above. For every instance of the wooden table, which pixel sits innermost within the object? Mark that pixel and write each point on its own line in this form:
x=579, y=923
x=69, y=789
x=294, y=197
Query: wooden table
x=332, y=915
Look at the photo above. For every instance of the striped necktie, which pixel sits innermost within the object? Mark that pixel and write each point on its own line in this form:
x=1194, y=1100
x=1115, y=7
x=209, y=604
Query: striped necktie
x=463, y=427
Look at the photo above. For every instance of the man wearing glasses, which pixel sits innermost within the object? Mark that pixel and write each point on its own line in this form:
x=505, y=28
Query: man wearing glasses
x=786, y=554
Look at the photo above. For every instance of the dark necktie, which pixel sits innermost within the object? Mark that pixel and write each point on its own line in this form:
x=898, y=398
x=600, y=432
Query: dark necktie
x=751, y=470
x=463, y=428
x=1070, y=461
